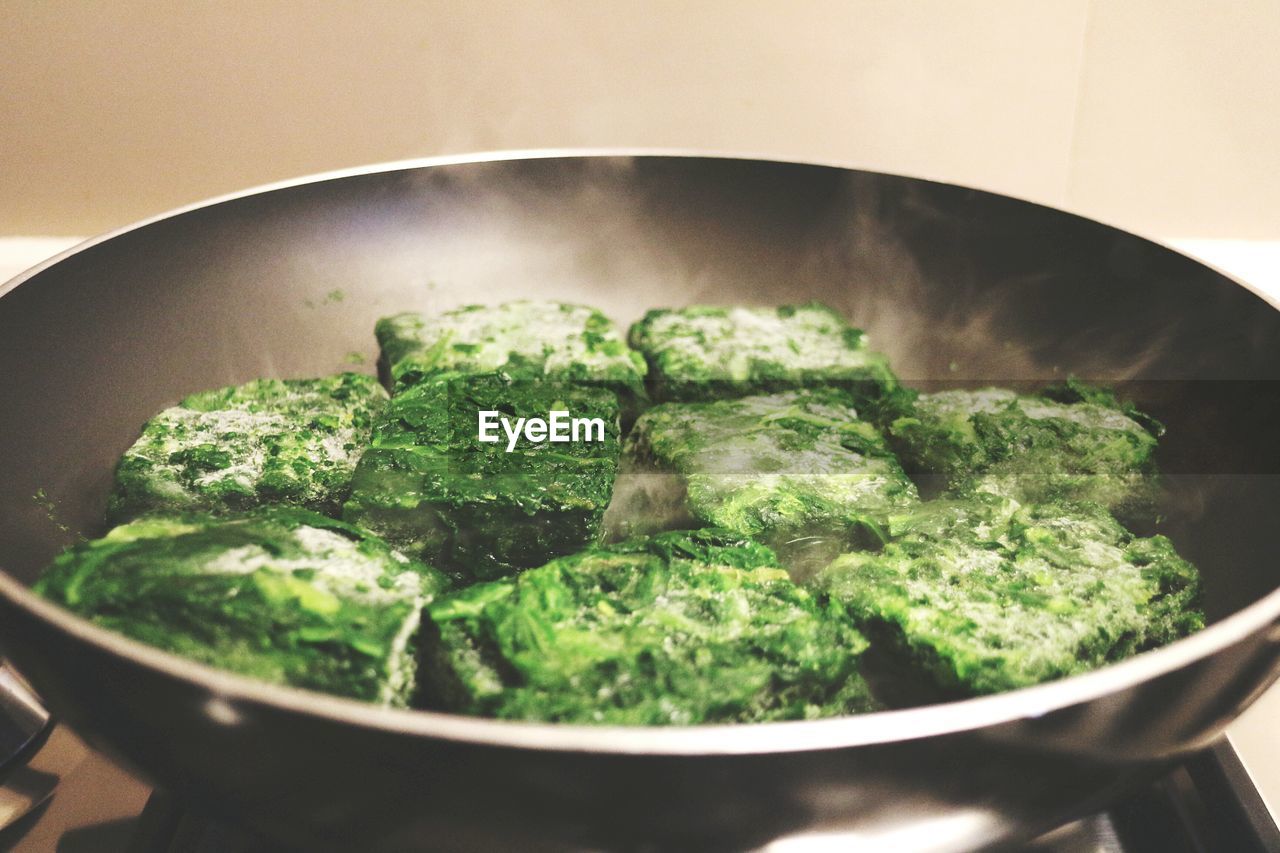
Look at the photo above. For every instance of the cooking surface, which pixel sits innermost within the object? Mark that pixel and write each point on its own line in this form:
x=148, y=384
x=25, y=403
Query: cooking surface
x=97, y=804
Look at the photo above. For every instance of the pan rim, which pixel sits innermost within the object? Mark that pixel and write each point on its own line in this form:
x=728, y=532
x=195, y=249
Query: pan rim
x=674, y=152
x=718, y=739
x=228, y=689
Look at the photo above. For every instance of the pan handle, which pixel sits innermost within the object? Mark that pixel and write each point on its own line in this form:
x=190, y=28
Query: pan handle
x=22, y=716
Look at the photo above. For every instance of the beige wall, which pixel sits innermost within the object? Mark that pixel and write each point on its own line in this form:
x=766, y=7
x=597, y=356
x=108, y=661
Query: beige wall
x=1162, y=116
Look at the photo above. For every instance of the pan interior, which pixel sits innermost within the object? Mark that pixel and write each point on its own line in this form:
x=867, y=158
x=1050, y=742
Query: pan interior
x=957, y=286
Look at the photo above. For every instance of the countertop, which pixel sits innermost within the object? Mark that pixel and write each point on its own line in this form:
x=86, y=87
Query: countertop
x=1256, y=735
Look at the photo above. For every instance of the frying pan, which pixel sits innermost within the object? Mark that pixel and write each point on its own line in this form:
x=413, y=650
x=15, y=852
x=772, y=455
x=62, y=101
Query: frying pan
x=954, y=284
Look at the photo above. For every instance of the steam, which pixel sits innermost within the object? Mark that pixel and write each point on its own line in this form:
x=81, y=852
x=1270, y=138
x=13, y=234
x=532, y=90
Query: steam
x=957, y=323
x=645, y=501
x=627, y=234
x=560, y=230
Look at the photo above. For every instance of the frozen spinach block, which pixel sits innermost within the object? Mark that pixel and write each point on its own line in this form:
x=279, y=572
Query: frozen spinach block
x=483, y=510
x=682, y=628
x=280, y=441
x=711, y=352
x=1070, y=442
x=985, y=595
x=524, y=339
x=797, y=470
x=280, y=594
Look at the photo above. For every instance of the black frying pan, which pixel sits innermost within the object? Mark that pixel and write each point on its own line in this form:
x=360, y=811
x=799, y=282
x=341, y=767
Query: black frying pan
x=953, y=283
